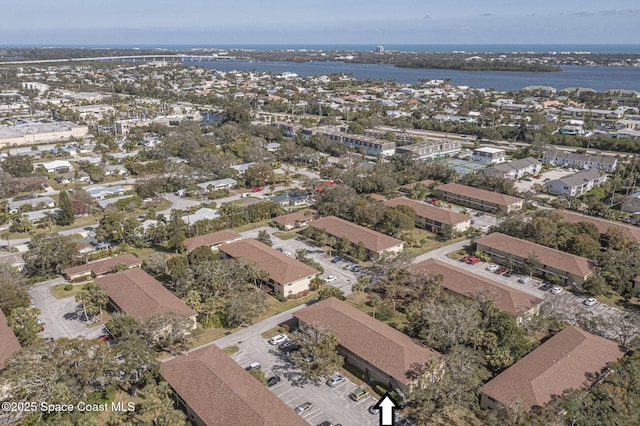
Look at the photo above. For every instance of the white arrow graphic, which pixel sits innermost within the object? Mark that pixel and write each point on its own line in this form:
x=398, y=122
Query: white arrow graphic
x=386, y=405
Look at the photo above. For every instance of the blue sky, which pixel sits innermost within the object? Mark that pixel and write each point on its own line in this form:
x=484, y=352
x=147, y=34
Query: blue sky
x=215, y=22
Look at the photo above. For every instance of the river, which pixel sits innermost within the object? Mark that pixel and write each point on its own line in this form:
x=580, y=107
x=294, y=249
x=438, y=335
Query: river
x=596, y=78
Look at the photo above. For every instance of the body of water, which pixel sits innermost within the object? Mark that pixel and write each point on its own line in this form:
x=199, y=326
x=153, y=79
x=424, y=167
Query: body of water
x=596, y=78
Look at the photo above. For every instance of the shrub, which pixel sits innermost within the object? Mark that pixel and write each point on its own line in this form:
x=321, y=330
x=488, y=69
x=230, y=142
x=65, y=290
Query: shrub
x=68, y=287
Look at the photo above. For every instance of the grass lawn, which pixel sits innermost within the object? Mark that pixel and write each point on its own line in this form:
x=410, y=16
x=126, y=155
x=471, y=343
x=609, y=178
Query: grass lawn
x=396, y=319
x=59, y=292
x=286, y=235
x=144, y=252
x=274, y=306
x=250, y=226
x=230, y=350
x=618, y=301
x=206, y=335
x=419, y=241
x=105, y=319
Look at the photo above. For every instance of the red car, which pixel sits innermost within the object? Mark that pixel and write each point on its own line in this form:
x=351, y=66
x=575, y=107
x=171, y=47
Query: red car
x=473, y=260
x=501, y=271
x=464, y=259
x=257, y=189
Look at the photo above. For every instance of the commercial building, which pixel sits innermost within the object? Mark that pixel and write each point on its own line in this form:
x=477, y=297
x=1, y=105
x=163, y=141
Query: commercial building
x=431, y=150
x=488, y=155
x=34, y=132
x=479, y=199
x=433, y=218
x=577, y=183
x=371, y=146
x=376, y=243
x=568, y=268
x=516, y=169
x=213, y=240
x=214, y=390
x=572, y=359
x=287, y=276
x=467, y=284
x=141, y=296
x=384, y=354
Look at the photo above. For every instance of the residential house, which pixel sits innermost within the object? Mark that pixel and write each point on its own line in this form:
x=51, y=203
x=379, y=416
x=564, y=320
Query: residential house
x=376, y=243
x=384, y=354
x=287, y=276
x=15, y=260
x=474, y=286
x=577, y=183
x=568, y=268
x=581, y=161
x=241, y=168
x=141, y=296
x=102, y=192
x=571, y=359
x=215, y=185
x=631, y=204
x=213, y=389
x=479, y=199
x=101, y=267
x=204, y=213
x=213, y=240
x=73, y=176
x=10, y=343
x=488, y=155
x=57, y=166
x=41, y=215
x=516, y=169
x=291, y=198
x=432, y=218
x=34, y=203
x=299, y=219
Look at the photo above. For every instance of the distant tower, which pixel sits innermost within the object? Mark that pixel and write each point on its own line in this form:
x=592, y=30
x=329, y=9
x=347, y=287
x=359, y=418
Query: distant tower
x=379, y=49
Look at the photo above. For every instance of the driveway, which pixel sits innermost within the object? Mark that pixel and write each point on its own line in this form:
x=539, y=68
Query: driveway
x=61, y=317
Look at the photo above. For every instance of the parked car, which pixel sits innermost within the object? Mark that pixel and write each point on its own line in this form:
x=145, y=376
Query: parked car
x=464, y=259
x=525, y=280
x=358, y=394
x=501, y=270
x=336, y=380
x=277, y=339
x=285, y=345
x=546, y=286
x=253, y=366
x=257, y=189
x=330, y=278
x=373, y=409
x=273, y=380
x=472, y=260
x=336, y=259
x=492, y=267
x=305, y=406
x=556, y=290
x=508, y=273
x=590, y=301
x=325, y=423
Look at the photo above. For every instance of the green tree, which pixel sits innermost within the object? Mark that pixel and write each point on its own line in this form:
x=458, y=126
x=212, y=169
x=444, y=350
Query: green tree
x=66, y=215
x=176, y=229
x=264, y=237
x=258, y=174
x=93, y=299
x=48, y=255
x=317, y=357
x=25, y=325
x=328, y=291
x=259, y=376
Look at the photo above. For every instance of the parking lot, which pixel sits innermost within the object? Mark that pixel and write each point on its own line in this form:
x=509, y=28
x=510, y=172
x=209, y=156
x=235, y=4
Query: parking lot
x=329, y=403
x=61, y=317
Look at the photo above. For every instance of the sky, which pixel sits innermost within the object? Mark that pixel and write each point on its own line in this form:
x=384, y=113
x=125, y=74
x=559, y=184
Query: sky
x=299, y=22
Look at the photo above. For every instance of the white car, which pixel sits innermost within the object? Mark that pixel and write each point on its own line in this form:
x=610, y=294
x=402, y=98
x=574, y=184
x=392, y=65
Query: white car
x=492, y=267
x=590, y=301
x=555, y=290
x=330, y=278
x=277, y=339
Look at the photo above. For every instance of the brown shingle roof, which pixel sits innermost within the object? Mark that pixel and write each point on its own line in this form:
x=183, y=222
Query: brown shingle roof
x=281, y=268
x=212, y=239
x=562, y=362
x=103, y=266
x=372, y=240
x=140, y=295
x=547, y=256
x=380, y=345
x=480, y=194
x=221, y=392
x=290, y=218
x=467, y=284
x=426, y=211
x=9, y=343
x=602, y=225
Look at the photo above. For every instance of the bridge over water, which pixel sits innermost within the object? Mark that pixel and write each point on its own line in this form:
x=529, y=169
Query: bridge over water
x=129, y=58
